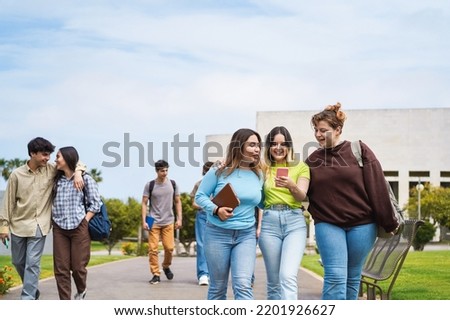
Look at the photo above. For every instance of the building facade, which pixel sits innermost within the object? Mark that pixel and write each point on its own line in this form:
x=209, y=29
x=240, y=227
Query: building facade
x=411, y=144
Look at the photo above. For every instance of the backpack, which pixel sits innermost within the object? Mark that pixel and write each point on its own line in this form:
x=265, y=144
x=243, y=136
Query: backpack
x=150, y=190
x=356, y=149
x=100, y=225
x=152, y=185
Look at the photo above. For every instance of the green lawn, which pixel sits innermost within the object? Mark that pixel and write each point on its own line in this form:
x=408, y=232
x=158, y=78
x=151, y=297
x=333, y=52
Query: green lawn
x=425, y=275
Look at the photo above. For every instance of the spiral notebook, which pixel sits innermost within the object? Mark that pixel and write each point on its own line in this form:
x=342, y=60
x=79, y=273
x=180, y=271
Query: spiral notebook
x=226, y=197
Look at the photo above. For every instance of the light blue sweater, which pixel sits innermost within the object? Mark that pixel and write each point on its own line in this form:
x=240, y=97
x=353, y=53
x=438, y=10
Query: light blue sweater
x=248, y=187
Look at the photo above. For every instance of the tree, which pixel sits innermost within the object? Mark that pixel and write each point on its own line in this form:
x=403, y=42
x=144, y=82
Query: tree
x=7, y=166
x=96, y=175
x=125, y=219
x=187, y=232
x=134, y=209
x=435, y=204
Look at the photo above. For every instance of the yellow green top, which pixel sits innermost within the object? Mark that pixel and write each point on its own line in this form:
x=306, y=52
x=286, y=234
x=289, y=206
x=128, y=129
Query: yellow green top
x=278, y=195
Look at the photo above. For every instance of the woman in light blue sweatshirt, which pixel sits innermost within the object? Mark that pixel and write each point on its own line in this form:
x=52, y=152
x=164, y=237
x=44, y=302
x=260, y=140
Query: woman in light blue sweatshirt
x=230, y=237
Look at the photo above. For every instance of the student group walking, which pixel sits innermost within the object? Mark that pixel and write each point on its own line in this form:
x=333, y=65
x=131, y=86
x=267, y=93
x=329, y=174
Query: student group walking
x=273, y=188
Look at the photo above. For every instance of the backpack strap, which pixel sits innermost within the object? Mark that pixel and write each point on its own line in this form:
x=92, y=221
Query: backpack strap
x=150, y=188
x=152, y=185
x=356, y=149
x=84, y=192
x=174, y=185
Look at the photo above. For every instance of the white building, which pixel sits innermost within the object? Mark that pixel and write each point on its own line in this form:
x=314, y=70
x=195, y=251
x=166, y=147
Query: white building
x=411, y=144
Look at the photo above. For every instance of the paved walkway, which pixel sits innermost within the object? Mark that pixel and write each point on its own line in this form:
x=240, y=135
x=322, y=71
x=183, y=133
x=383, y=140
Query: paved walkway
x=128, y=280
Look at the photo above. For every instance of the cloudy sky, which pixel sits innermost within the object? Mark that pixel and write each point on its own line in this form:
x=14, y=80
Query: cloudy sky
x=119, y=80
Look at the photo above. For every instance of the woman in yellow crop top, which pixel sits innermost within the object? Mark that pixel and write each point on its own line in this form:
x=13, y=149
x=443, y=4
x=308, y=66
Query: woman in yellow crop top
x=282, y=237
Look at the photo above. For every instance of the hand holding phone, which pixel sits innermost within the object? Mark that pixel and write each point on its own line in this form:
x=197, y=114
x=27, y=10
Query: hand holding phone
x=6, y=242
x=282, y=172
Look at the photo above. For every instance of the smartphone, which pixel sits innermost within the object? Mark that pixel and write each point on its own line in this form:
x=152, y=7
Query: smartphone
x=282, y=172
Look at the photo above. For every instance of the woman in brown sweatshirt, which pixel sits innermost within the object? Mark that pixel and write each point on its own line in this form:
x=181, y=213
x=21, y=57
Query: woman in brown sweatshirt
x=346, y=203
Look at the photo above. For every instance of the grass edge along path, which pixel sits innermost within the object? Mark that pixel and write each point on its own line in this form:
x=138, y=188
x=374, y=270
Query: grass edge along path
x=425, y=275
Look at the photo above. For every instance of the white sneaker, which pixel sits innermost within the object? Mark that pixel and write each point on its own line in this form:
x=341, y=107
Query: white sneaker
x=80, y=296
x=203, y=281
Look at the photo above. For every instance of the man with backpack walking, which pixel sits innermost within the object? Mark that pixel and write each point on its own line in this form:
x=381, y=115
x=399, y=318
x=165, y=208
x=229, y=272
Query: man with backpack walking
x=162, y=196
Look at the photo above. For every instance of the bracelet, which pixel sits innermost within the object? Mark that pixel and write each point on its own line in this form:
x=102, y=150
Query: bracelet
x=216, y=211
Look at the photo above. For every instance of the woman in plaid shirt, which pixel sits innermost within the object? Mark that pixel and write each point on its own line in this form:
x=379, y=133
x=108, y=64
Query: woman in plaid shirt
x=71, y=213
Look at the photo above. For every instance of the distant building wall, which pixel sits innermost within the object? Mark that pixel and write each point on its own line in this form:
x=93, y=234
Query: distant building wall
x=409, y=143
x=217, y=146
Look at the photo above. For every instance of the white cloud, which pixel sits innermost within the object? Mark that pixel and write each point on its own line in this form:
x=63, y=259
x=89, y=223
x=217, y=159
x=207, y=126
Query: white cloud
x=86, y=73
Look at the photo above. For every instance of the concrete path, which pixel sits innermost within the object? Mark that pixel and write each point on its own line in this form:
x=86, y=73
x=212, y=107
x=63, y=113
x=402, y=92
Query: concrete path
x=128, y=280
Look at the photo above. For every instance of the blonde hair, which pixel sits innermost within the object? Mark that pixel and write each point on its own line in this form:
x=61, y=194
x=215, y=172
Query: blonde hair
x=332, y=114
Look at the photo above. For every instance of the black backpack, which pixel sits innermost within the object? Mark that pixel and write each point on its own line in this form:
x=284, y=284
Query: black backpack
x=150, y=190
x=152, y=185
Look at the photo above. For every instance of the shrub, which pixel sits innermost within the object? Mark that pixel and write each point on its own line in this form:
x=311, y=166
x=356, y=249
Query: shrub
x=424, y=235
x=6, y=280
x=143, y=249
x=128, y=248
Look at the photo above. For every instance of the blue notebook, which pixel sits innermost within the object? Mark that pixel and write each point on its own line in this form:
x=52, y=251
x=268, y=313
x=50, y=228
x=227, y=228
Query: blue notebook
x=149, y=221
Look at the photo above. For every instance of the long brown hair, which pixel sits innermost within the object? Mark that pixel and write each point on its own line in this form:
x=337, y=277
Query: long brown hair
x=235, y=151
x=269, y=139
x=70, y=155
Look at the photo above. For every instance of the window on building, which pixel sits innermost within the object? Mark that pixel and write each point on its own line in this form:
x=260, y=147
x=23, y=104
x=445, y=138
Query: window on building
x=391, y=173
x=445, y=184
x=419, y=174
x=415, y=176
x=394, y=186
x=445, y=179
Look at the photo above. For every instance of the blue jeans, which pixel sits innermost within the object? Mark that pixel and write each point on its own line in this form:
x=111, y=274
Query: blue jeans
x=227, y=249
x=282, y=242
x=200, y=225
x=26, y=253
x=343, y=252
